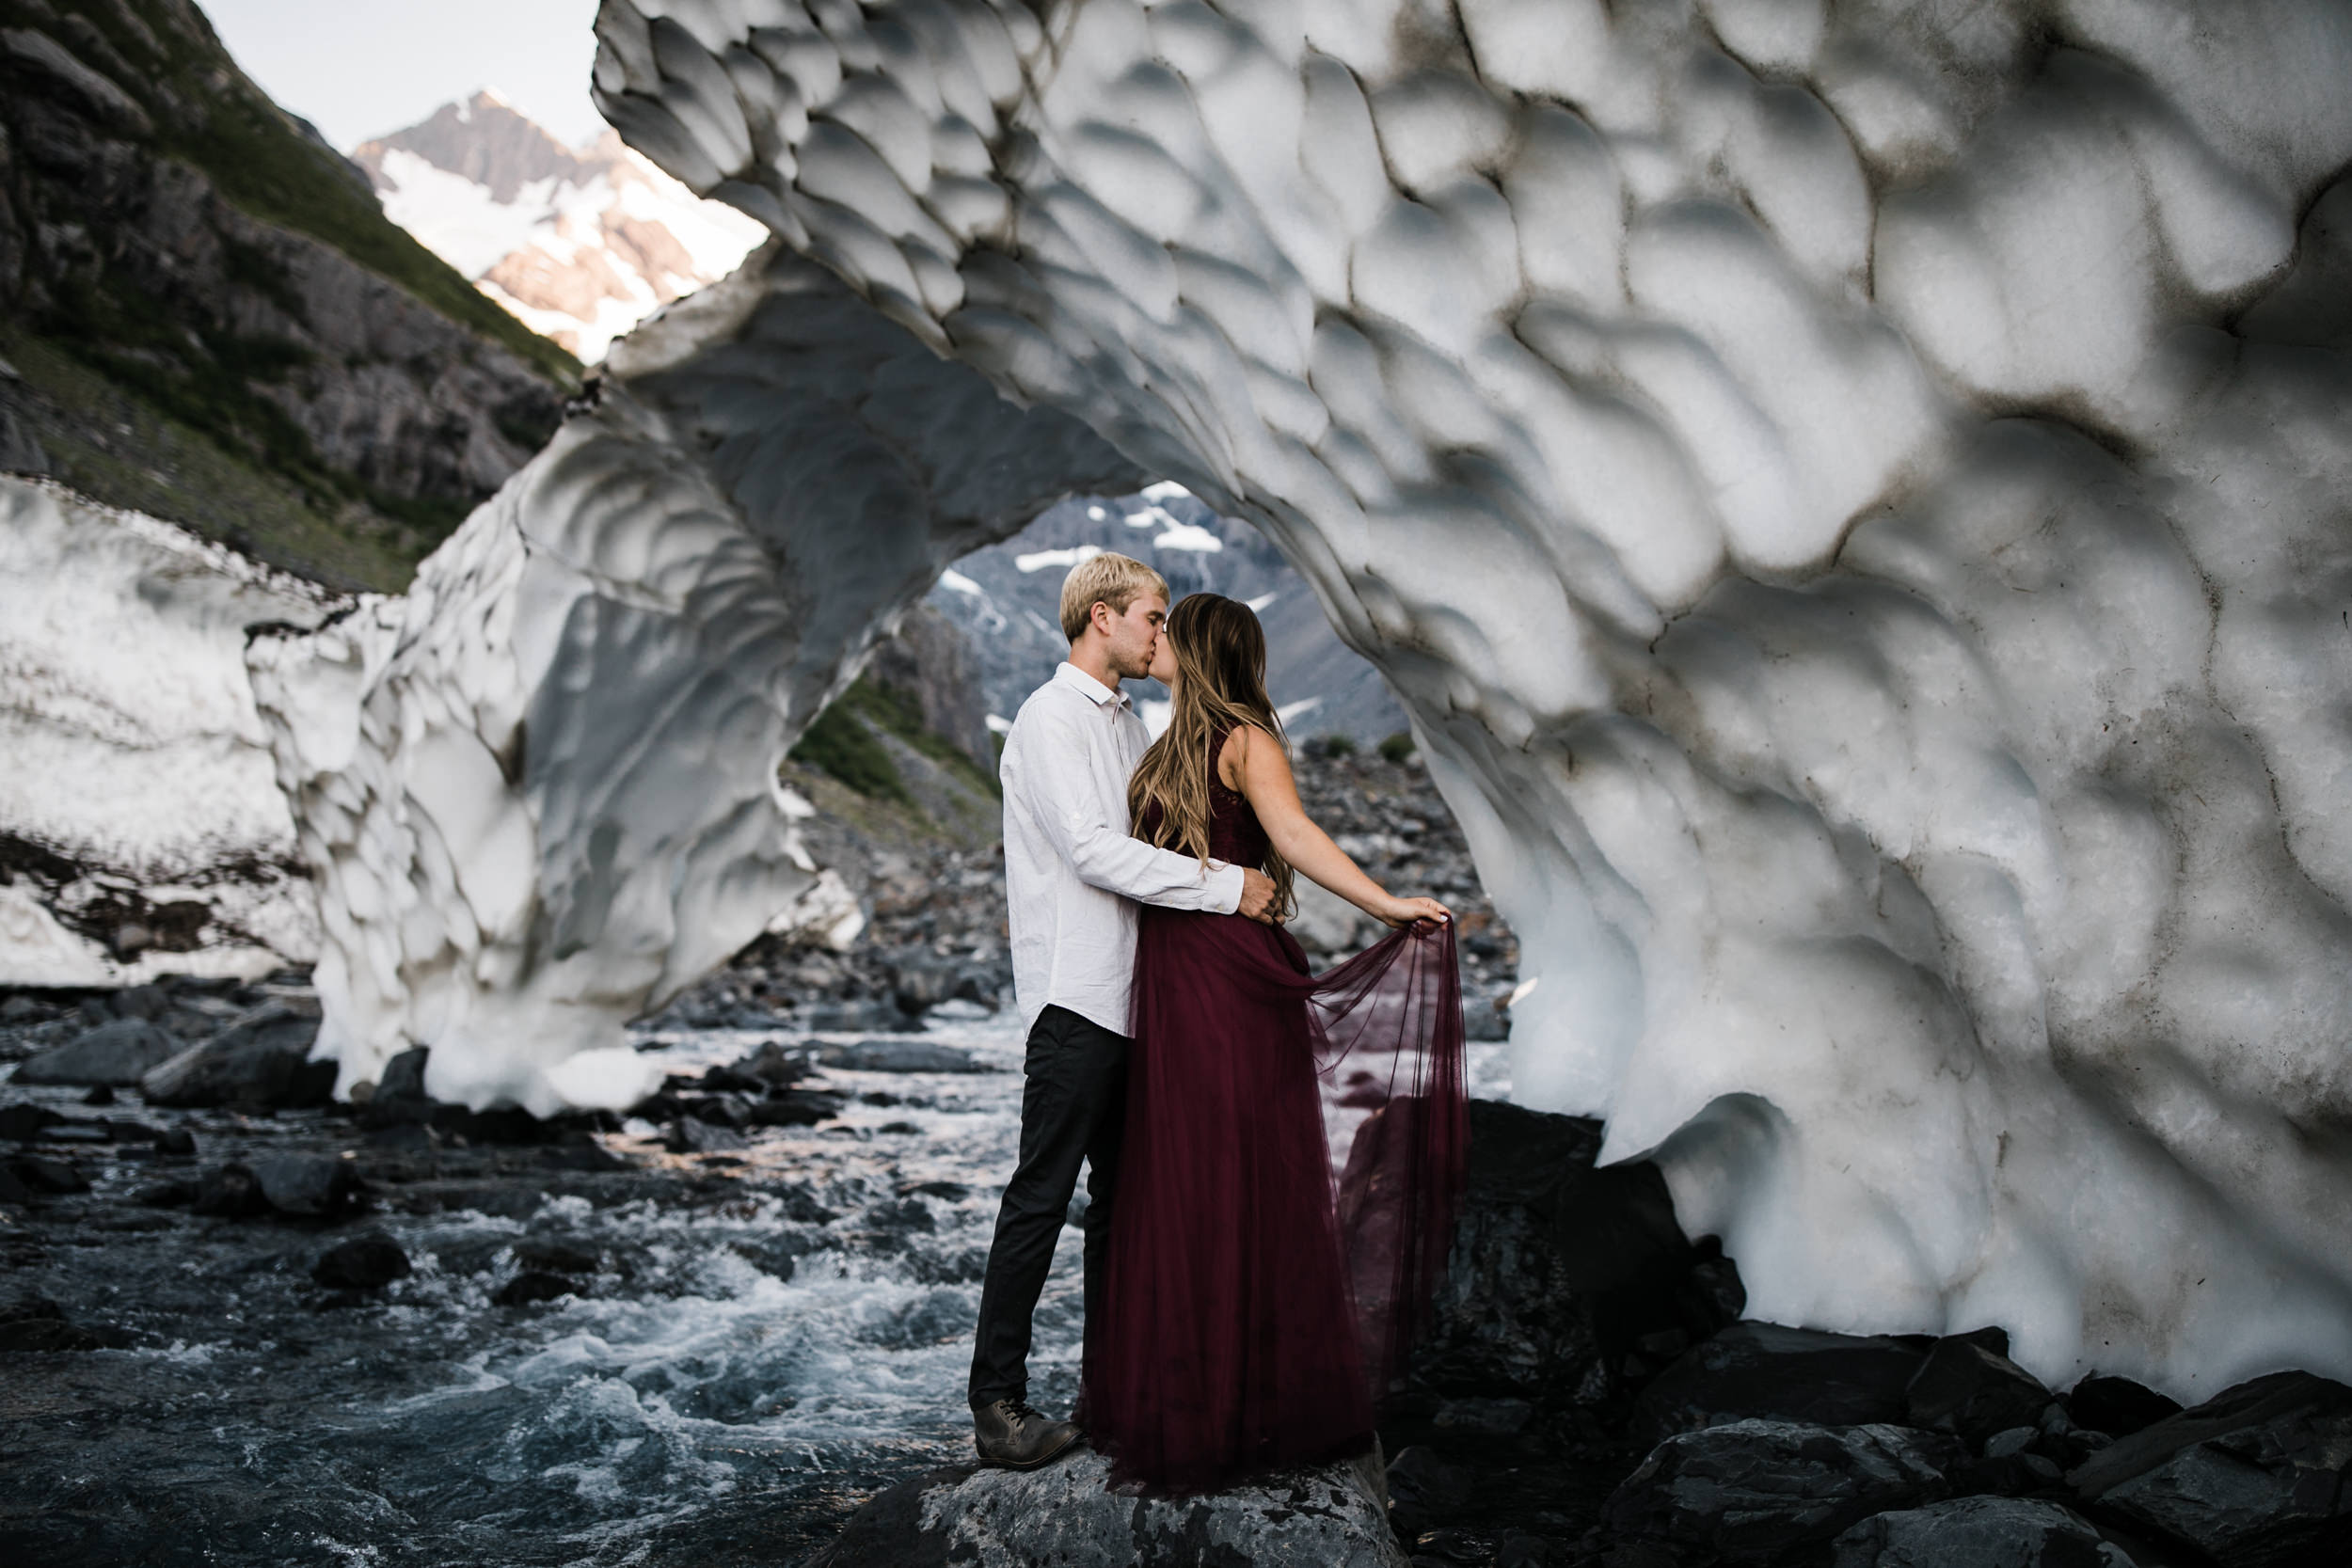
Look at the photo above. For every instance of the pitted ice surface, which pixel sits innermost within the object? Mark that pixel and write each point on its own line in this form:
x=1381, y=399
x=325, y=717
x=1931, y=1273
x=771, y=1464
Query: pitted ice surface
x=1854, y=499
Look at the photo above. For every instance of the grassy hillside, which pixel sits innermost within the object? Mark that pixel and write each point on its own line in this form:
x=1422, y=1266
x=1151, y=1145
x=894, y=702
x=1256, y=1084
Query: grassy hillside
x=209, y=317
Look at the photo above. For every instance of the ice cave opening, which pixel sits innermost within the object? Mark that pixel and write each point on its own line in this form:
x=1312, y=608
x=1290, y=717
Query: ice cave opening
x=1850, y=499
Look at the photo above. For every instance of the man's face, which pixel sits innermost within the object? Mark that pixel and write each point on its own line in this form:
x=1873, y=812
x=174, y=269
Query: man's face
x=1135, y=636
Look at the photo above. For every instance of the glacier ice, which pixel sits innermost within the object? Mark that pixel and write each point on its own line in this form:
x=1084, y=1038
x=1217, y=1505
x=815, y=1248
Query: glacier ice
x=539, y=791
x=1854, y=498
x=137, y=773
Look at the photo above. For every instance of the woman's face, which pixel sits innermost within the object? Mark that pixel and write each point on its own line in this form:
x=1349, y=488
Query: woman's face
x=1162, y=668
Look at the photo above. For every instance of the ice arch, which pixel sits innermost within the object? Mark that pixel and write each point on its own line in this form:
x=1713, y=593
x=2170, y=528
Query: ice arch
x=539, y=791
x=1855, y=499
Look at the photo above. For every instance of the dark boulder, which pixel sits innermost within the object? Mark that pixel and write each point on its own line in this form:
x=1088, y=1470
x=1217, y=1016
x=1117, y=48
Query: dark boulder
x=921, y=980
x=556, y=1257
x=232, y=1192
x=308, y=1186
x=363, y=1263
x=37, y=1324
x=2259, y=1477
x=1424, y=1491
x=692, y=1135
x=23, y=1121
x=1766, y=1492
x=261, y=1060
x=41, y=1174
x=121, y=1053
x=399, y=1099
x=775, y=1064
x=2116, y=1406
x=13, y=1188
x=1977, y=1532
x=1567, y=1281
x=1766, y=1372
x=794, y=1108
x=503, y=1126
x=1967, y=1387
x=1331, y=1518
x=535, y=1284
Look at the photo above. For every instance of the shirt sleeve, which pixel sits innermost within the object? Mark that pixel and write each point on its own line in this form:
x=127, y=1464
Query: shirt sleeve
x=1102, y=852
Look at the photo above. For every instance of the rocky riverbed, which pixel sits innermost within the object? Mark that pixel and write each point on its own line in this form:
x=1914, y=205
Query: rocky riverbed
x=242, y=1325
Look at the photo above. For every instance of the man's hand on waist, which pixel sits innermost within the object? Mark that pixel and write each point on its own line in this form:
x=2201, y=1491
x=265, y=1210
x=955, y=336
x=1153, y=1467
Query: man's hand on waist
x=1257, y=897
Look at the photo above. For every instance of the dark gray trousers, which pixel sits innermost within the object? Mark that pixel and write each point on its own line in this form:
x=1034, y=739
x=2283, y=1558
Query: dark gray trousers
x=1073, y=1107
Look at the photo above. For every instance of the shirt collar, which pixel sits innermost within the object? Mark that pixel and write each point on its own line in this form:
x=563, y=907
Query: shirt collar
x=1094, y=690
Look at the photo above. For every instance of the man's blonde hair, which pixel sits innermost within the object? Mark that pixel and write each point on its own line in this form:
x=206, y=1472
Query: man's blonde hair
x=1105, y=579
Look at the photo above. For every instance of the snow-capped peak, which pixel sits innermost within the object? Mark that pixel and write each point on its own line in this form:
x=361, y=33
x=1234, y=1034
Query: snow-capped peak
x=579, y=244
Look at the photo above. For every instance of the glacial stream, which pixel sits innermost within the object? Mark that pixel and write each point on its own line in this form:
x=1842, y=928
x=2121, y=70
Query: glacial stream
x=767, y=1338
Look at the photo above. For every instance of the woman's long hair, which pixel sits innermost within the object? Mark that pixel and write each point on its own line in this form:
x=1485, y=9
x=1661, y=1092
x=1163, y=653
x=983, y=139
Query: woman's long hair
x=1220, y=685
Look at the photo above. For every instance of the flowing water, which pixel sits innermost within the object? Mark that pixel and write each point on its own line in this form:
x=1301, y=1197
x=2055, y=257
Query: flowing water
x=767, y=1338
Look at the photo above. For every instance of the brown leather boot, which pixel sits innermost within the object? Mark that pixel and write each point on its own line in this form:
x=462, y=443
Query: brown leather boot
x=1012, y=1436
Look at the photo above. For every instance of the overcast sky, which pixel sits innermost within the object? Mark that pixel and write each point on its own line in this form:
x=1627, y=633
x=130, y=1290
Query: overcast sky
x=358, y=69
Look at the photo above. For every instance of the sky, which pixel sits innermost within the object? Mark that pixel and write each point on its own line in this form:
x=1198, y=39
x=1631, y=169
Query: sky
x=358, y=69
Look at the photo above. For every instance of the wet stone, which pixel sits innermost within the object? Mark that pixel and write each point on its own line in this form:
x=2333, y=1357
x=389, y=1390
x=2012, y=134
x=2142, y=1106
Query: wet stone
x=260, y=1060
x=1765, y=1371
x=535, y=1284
x=1066, y=1512
x=693, y=1136
x=1977, y=1532
x=2258, y=1477
x=363, y=1263
x=1756, y=1492
x=1424, y=1491
x=117, y=1053
x=1974, y=1389
x=308, y=1186
x=230, y=1191
x=41, y=1174
x=23, y=1121
x=2116, y=1406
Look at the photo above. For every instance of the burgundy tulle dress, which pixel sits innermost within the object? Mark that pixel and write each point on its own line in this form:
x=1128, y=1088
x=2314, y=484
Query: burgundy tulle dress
x=1256, y=1301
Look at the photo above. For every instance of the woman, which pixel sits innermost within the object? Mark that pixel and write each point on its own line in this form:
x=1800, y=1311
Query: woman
x=1250, y=1316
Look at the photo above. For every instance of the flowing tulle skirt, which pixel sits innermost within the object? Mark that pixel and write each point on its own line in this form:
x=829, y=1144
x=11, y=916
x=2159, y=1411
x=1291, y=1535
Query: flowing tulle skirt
x=1256, y=1301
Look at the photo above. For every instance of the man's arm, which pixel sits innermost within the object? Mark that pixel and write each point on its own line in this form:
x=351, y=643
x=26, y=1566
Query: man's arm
x=1052, y=785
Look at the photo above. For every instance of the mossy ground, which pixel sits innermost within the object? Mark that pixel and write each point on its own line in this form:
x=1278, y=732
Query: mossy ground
x=116, y=446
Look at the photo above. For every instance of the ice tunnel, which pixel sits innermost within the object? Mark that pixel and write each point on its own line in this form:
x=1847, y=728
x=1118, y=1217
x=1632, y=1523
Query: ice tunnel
x=1856, y=500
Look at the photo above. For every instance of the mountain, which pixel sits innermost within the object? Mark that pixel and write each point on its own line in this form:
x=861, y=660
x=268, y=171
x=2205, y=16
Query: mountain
x=1007, y=600
x=580, y=246
x=206, y=316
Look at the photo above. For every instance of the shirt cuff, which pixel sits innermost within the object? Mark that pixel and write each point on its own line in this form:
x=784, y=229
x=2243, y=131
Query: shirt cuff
x=1225, y=890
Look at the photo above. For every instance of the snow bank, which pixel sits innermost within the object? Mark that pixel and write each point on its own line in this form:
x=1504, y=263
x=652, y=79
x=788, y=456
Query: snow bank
x=149, y=833
x=539, y=792
x=1854, y=498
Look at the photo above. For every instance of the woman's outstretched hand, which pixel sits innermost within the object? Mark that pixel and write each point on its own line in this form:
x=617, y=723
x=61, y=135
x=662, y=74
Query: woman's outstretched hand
x=1403, y=912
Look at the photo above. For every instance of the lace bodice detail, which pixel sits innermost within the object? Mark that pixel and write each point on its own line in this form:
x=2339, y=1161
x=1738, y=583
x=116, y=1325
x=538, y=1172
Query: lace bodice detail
x=1236, y=835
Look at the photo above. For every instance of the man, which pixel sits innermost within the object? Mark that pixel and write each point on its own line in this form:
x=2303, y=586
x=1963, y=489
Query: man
x=1073, y=879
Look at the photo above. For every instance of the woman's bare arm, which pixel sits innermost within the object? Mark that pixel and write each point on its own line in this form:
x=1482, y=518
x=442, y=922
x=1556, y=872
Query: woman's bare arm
x=1254, y=763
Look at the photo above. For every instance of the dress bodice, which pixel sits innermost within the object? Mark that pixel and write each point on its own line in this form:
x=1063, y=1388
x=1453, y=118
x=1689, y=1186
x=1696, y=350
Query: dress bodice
x=1236, y=835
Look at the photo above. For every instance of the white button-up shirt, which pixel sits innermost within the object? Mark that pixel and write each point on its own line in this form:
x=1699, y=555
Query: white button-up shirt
x=1073, y=876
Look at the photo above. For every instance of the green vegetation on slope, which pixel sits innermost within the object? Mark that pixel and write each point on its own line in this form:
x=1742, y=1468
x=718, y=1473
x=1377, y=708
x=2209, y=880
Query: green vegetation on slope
x=117, y=447
x=852, y=741
x=261, y=162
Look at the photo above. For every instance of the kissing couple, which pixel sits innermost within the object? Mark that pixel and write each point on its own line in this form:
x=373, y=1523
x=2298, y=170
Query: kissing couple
x=1245, y=1303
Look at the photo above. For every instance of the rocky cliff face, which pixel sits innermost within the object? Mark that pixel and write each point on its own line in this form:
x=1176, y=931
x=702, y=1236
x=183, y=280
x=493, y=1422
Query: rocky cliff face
x=208, y=316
